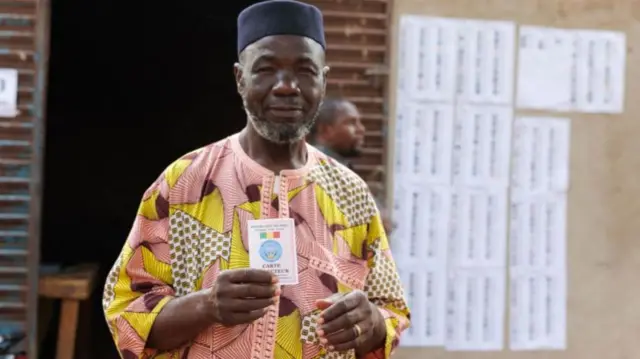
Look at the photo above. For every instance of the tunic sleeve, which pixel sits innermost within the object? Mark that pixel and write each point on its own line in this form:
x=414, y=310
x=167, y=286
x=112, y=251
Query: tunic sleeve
x=140, y=283
x=383, y=287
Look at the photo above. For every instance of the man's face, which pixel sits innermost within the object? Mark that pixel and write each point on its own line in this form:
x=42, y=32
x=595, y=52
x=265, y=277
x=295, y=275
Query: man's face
x=346, y=133
x=281, y=80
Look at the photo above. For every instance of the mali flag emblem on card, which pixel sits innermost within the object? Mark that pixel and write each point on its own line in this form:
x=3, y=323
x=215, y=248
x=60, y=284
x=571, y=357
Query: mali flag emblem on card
x=270, y=235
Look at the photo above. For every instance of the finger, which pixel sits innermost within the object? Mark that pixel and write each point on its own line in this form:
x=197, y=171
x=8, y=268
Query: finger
x=248, y=305
x=343, y=322
x=250, y=275
x=325, y=303
x=253, y=291
x=343, y=305
x=346, y=339
x=343, y=347
x=244, y=318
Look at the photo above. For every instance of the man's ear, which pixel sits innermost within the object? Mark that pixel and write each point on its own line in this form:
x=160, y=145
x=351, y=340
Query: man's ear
x=325, y=72
x=238, y=73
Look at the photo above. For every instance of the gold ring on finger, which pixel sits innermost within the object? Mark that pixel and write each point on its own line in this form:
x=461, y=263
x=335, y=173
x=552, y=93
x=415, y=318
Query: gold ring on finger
x=358, y=330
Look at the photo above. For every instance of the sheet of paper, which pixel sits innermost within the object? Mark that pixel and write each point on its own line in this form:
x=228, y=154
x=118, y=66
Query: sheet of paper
x=272, y=247
x=428, y=139
x=478, y=234
x=401, y=131
x=541, y=154
x=537, y=271
x=537, y=238
x=571, y=70
x=8, y=92
x=425, y=289
x=406, y=53
x=485, y=61
x=545, y=69
x=445, y=58
x=422, y=221
x=475, y=309
x=600, y=71
x=482, y=146
x=429, y=58
x=538, y=312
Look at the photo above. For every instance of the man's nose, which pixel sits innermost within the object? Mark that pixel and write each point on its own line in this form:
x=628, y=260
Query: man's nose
x=286, y=84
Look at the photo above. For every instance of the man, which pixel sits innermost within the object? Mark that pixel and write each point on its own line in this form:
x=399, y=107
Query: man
x=339, y=133
x=182, y=287
x=338, y=130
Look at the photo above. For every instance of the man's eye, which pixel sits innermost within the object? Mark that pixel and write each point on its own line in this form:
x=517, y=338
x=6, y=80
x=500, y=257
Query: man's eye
x=308, y=70
x=264, y=69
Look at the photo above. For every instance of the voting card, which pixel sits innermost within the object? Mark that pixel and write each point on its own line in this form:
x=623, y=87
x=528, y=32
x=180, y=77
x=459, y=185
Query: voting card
x=272, y=247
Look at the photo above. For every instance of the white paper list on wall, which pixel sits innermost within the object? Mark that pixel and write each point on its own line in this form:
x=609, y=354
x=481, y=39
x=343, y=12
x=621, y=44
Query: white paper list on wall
x=571, y=70
x=445, y=59
x=538, y=314
x=537, y=238
x=540, y=154
x=475, y=309
x=424, y=152
x=423, y=225
x=485, y=57
x=482, y=142
x=545, y=69
x=429, y=57
x=537, y=233
x=478, y=235
x=600, y=61
x=425, y=288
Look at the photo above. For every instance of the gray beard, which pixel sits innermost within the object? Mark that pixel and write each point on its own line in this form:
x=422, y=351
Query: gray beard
x=281, y=133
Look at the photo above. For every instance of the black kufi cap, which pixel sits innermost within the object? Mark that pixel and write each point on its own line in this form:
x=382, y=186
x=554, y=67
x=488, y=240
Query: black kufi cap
x=279, y=17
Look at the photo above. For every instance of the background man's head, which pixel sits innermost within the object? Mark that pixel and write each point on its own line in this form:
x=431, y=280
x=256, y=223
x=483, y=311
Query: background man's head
x=339, y=127
x=281, y=71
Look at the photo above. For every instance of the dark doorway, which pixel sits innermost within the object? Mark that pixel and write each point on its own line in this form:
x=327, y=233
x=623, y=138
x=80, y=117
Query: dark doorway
x=132, y=87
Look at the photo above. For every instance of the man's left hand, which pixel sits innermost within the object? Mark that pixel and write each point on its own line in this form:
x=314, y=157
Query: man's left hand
x=350, y=321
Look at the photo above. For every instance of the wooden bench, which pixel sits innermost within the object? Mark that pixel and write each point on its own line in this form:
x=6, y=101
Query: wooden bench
x=71, y=286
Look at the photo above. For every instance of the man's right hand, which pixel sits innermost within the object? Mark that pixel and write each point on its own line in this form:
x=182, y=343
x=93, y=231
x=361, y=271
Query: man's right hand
x=240, y=296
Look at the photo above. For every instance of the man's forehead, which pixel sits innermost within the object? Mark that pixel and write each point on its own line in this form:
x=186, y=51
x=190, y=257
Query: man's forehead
x=289, y=47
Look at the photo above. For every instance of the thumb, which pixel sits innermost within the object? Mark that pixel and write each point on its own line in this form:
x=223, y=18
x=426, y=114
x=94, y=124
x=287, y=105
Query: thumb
x=323, y=304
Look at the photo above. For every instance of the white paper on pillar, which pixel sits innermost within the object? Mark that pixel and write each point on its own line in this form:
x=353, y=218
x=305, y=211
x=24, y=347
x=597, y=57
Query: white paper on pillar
x=537, y=239
x=600, y=61
x=428, y=140
x=479, y=228
x=402, y=130
x=541, y=154
x=475, y=309
x=425, y=289
x=404, y=52
x=429, y=58
x=422, y=221
x=482, y=146
x=546, y=76
x=538, y=311
x=485, y=61
x=538, y=271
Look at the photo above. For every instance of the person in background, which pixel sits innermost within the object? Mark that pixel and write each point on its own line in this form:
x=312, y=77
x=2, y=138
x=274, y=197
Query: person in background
x=338, y=130
x=182, y=286
x=339, y=133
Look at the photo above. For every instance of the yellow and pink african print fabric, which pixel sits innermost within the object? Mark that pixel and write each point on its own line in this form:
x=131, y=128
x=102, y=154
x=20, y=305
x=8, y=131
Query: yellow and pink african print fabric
x=191, y=225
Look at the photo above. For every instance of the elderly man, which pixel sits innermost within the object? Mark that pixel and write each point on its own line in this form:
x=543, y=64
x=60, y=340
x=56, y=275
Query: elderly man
x=182, y=286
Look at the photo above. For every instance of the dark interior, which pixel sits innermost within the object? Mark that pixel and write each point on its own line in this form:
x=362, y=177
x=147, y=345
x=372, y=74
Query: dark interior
x=132, y=86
